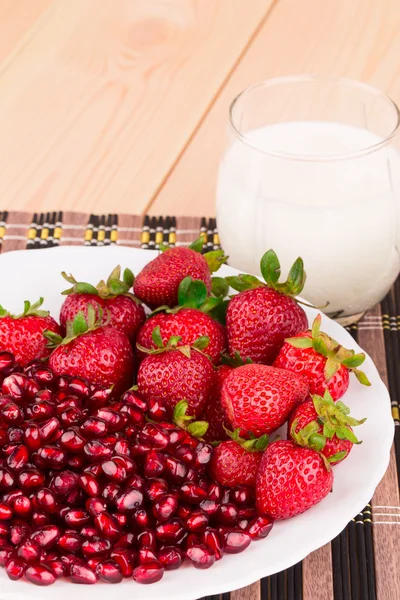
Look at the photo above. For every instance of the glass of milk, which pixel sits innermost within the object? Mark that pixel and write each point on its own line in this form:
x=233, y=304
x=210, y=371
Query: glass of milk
x=312, y=169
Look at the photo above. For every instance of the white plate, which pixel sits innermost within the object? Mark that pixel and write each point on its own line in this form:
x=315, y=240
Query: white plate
x=30, y=274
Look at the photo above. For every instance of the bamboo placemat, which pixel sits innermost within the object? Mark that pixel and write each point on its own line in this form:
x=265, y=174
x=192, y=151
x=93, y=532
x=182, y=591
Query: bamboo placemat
x=361, y=563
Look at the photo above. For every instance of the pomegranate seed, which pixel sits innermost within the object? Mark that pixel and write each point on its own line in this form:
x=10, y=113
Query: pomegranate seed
x=186, y=454
x=44, y=395
x=155, y=488
x=136, y=481
x=210, y=507
x=177, y=437
x=192, y=493
x=247, y=513
x=140, y=449
x=49, y=429
x=133, y=415
x=88, y=532
x=81, y=574
x=96, y=451
x=94, y=469
x=71, y=416
x=243, y=524
x=107, y=526
x=99, y=397
x=15, y=569
x=7, y=481
x=30, y=479
x=56, y=566
x=154, y=464
x=46, y=501
x=93, y=562
x=89, y=484
x=165, y=507
x=94, y=427
x=212, y=539
x=115, y=421
x=111, y=491
x=130, y=500
x=154, y=435
x=15, y=385
x=15, y=435
x=46, y=536
x=202, y=556
x=63, y=383
x=4, y=529
x=147, y=539
x=28, y=551
x=93, y=548
x=76, y=518
x=191, y=475
x=18, y=533
x=197, y=521
x=4, y=438
x=183, y=511
x=64, y=483
x=125, y=559
x=109, y=571
x=149, y=572
x=6, y=512
x=22, y=507
x=215, y=492
x=9, y=497
x=41, y=410
x=70, y=542
x=7, y=360
x=227, y=514
x=5, y=554
x=175, y=470
x=260, y=527
x=79, y=387
x=134, y=399
x=72, y=441
x=141, y=518
x=52, y=456
x=43, y=376
x=125, y=462
x=32, y=437
x=242, y=495
x=12, y=414
x=7, y=450
x=203, y=455
x=146, y=555
x=170, y=558
x=76, y=461
x=122, y=448
x=236, y=541
x=127, y=540
x=95, y=506
x=112, y=470
x=170, y=532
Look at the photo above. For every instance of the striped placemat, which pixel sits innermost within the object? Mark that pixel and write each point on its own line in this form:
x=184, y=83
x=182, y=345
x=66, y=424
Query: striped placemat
x=362, y=562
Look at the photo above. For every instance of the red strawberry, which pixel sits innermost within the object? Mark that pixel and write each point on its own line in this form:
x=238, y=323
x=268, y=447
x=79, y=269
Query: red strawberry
x=291, y=479
x=101, y=354
x=173, y=373
x=261, y=316
x=22, y=335
x=236, y=461
x=321, y=361
x=157, y=284
x=189, y=324
x=259, y=399
x=112, y=301
x=214, y=412
x=322, y=425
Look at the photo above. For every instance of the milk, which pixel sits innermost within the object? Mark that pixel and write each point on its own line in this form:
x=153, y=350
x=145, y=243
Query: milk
x=340, y=215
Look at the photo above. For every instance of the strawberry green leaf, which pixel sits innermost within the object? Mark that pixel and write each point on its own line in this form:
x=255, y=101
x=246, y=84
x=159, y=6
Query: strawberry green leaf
x=319, y=345
x=219, y=311
x=156, y=337
x=296, y=278
x=215, y=259
x=192, y=293
x=354, y=361
x=197, y=245
x=128, y=278
x=329, y=430
x=300, y=342
x=117, y=287
x=162, y=247
x=342, y=407
x=316, y=326
x=270, y=268
x=210, y=304
x=240, y=283
x=201, y=343
x=236, y=360
x=219, y=287
x=4, y=312
x=261, y=443
x=361, y=376
x=115, y=274
x=337, y=457
x=33, y=310
x=185, y=350
x=53, y=339
x=180, y=410
x=317, y=441
x=331, y=367
x=79, y=324
x=197, y=429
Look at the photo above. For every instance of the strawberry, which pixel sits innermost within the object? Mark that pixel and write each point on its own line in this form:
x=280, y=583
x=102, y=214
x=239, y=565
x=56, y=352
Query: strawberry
x=261, y=316
x=236, y=461
x=22, y=335
x=99, y=353
x=322, y=425
x=173, y=373
x=112, y=299
x=291, y=479
x=258, y=399
x=214, y=412
x=158, y=282
x=323, y=362
x=189, y=324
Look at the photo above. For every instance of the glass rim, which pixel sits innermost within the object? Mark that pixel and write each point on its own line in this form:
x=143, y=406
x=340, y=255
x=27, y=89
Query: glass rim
x=309, y=78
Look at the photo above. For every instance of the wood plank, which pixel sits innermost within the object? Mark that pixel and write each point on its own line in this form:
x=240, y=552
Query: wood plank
x=250, y=592
x=357, y=39
x=16, y=19
x=98, y=103
x=318, y=575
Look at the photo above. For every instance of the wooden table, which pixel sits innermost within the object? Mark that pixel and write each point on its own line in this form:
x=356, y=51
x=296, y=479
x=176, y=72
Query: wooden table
x=121, y=105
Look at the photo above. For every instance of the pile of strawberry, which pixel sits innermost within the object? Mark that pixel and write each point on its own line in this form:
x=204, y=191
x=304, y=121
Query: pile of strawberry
x=133, y=441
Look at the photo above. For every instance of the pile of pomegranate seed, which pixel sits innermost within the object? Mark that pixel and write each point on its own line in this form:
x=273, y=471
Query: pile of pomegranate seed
x=96, y=489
